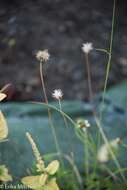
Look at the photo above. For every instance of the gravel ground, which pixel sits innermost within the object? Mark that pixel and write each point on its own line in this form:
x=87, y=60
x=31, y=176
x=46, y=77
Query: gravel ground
x=61, y=26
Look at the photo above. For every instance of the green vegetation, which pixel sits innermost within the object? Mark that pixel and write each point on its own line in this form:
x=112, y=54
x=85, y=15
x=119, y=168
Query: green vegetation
x=101, y=168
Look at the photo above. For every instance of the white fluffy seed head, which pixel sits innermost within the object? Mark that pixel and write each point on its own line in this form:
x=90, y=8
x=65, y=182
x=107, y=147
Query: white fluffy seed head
x=102, y=155
x=104, y=152
x=57, y=94
x=43, y=55
x=87, y=47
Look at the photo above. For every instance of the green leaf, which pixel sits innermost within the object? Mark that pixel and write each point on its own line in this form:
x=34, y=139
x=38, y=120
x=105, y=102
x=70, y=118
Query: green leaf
x=4, y=176
x=52, y=167
x=35, y=182
x=51, y=185
x=3, y=127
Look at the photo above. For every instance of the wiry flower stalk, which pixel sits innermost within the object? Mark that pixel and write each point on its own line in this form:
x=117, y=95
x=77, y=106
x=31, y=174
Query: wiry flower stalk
x=58, y=95
x=109, y=59
x=87, y=47
x=43, y=57
x=42, y=83
x=84, y=125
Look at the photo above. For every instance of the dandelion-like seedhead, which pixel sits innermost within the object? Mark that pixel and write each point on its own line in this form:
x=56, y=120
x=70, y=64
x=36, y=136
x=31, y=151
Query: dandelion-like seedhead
x=43, y=55
x=87, y=47
x=57, y=94
x=104, y=153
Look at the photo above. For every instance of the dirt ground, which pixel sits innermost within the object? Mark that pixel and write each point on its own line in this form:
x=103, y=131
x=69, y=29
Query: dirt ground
x=61, y=26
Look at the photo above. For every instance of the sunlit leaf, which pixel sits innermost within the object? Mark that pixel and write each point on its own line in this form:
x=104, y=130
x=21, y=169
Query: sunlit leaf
x=51, y=185
x=52, y=167
x=4, y=176
x=3, y=127
x=2, y=96
x=35, y=182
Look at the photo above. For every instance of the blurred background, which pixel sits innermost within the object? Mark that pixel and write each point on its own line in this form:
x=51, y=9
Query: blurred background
x=61, y=26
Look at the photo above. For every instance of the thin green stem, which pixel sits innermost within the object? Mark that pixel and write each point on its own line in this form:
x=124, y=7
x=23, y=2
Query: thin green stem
x=124, y=145
x=111, y=174
x=102, y=50
x=43, y=83
x=66, y=125
x=100, y=129
x=86, y=155
x=109, y=58
x=108, y=66
x=89, y=77
x=109, y=148
x=117, y=172
x=64, y=118
x=58, y=110
x=60, y=106
x=49, y=112
x=75, y=169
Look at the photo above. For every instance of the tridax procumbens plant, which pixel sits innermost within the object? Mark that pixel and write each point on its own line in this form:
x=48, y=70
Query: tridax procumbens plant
x=97, y=151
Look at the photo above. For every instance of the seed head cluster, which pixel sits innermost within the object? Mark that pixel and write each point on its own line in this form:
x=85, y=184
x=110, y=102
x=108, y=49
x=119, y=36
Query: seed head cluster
x=43, y=55
x=87, y=47
x=57, y=94
x=104, y=153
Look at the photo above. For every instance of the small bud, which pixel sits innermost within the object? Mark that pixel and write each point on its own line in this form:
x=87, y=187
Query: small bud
x=83, y=124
